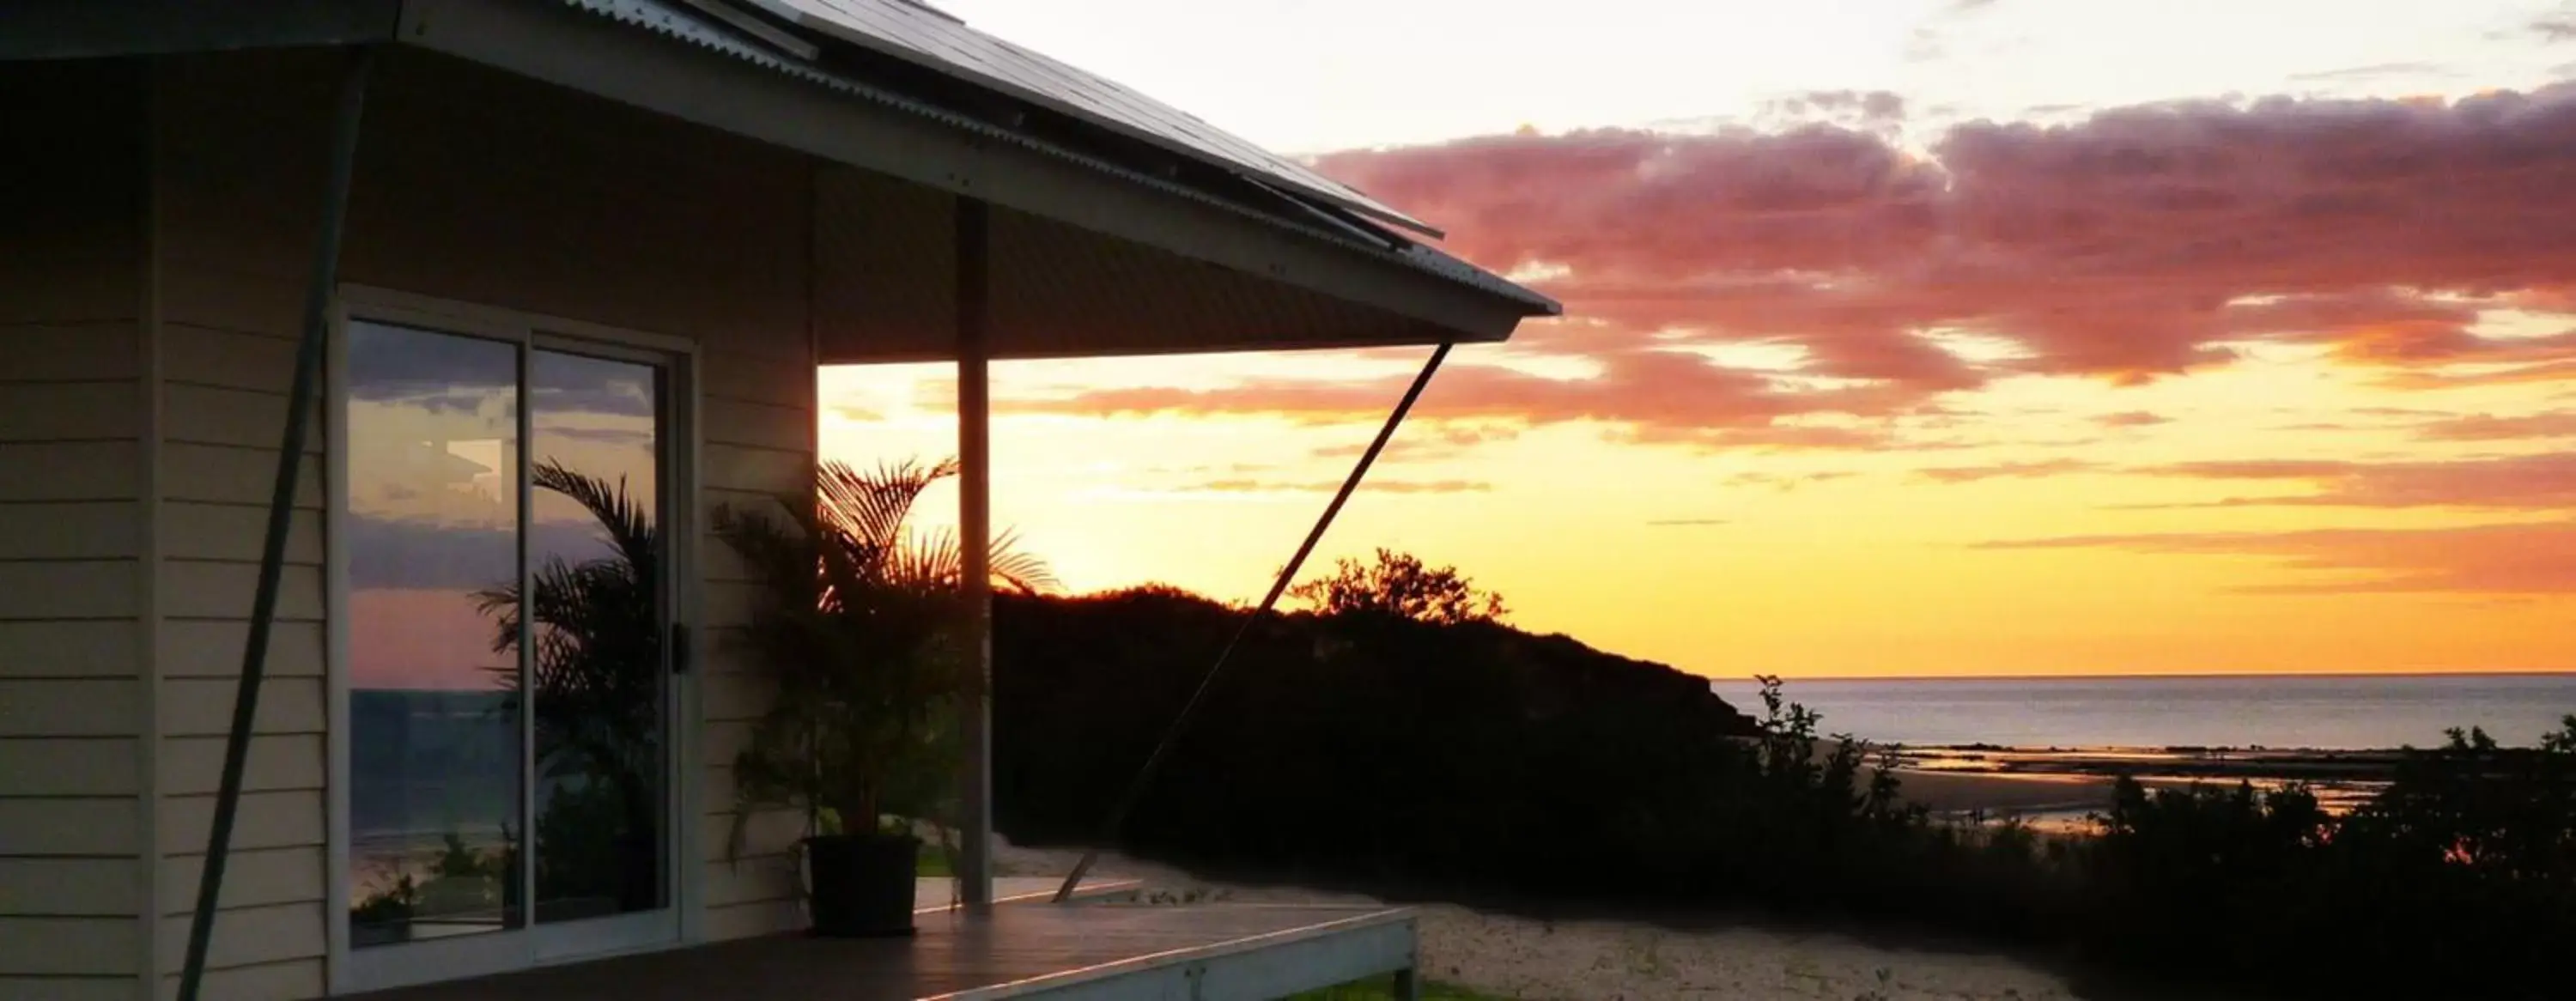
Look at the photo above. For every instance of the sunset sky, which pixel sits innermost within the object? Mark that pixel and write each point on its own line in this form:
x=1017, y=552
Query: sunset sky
x=1958, y=337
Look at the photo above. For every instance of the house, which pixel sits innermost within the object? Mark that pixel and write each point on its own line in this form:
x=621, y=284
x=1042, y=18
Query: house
x=544, y=243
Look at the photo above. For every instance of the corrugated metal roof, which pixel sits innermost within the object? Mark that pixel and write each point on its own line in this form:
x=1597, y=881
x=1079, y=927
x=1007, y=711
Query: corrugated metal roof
x=932, y=38
x=670, y=18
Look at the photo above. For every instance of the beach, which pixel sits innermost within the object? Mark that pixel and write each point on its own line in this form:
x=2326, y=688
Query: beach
x=1606, y=959
x=1736, y=955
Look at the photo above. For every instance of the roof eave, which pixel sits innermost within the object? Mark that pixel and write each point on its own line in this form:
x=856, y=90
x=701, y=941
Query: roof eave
x=683, y=67
x=92, y=29
x=746, y=89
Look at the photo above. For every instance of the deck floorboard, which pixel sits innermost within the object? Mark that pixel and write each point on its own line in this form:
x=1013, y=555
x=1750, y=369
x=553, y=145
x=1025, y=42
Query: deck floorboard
x=955, y=951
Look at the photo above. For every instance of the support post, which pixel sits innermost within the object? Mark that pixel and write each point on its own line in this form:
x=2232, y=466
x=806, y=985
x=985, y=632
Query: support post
x=281, y=508
x=1153, y=762
x=975, y=545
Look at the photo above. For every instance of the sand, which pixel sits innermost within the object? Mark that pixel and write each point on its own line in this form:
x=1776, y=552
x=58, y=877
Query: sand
x=1956, y=792
x=1610, y=960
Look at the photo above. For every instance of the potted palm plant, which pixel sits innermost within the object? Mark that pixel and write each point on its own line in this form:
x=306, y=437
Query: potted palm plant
x=859, y=634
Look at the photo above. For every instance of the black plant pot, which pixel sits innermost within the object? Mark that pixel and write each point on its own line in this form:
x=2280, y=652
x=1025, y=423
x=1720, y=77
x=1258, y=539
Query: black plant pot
x=862, y=884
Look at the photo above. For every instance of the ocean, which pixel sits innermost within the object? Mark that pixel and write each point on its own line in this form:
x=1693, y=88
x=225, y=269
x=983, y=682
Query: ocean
x=2342, y=712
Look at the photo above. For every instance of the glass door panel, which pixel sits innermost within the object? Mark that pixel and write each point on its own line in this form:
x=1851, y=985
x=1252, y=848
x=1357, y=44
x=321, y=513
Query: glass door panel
x=596, y=553
x=432, y=543
x=505, y=619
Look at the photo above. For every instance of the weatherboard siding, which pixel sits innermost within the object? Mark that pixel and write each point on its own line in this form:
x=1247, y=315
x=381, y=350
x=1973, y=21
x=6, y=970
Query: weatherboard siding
x=714, y=255
x=75, y=687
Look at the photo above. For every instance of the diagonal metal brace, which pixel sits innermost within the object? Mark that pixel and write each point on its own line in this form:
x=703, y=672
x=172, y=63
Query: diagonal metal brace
x=281, y=508
x=1145, y=776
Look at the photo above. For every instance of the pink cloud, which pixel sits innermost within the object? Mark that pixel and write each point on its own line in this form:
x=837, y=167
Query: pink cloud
x=1662, y=395
x=2482, y=559
x=2533, y=482
x=1426, y=441
x=2138, y=243
x=2113, y=246
x=2488, y=427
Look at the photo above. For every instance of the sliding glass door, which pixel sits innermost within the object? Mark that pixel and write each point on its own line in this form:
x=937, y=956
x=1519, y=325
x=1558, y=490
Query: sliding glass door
x=506, y=621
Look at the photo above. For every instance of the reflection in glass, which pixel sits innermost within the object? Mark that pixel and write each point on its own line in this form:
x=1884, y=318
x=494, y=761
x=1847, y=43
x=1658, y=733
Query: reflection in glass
x=435, y=752
x=599, y=669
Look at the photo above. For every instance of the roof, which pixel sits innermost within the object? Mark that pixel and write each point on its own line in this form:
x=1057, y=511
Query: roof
x=1280, y=190
x=898, y=60
x=924, y=35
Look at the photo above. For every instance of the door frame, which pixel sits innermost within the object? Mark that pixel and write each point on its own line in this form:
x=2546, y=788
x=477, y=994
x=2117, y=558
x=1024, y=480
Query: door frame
x=348, y=969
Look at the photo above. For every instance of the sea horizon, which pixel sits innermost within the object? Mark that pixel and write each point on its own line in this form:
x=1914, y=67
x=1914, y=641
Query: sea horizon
x=2346, y=711
x=2152, y=675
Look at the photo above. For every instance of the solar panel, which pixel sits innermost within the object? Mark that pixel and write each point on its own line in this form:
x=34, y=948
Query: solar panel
x=925, y=36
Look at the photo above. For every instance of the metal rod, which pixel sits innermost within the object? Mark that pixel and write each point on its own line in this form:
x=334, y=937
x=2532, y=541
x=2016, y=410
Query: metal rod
x=281, y=509
x=974, y=543
x=1144, y=776
x=522, y=871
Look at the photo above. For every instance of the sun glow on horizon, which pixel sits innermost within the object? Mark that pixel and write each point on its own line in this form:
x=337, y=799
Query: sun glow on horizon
x=1940, y=352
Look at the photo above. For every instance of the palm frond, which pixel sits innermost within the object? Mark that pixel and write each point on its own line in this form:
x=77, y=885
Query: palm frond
x=873, y=506
x=861, y=636
x=628, y=524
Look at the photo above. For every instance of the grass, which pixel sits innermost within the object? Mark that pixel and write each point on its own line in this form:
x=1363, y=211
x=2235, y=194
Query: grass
x=930, y=862
x=1379, y=990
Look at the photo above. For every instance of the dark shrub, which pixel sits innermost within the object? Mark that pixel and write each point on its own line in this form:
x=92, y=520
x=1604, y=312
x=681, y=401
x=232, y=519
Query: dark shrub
x=1472, y=758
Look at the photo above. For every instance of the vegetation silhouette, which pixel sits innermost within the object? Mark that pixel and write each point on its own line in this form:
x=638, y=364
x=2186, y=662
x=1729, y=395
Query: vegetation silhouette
x=1386, y=744
x=860, y=634
x=596, y=669
x=1402, y=586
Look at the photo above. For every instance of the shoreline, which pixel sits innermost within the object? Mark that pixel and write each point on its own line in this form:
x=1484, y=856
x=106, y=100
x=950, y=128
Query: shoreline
x=2061, y=785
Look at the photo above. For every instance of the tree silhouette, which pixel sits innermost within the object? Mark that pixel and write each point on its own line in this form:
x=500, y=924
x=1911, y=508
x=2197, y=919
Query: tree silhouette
x=1400, y=585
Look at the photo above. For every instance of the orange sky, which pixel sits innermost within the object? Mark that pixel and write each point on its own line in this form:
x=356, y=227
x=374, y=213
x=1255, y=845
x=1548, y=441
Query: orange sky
x=1857, y=383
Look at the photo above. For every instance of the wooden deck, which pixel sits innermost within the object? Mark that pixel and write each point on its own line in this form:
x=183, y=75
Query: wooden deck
x=1105, y=951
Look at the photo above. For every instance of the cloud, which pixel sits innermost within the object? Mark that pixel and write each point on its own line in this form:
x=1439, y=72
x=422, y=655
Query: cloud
x=2127, y=245
x=2541, y=482
x=2506, y=559
x=1785, y=482
x=1878, y=112
x=2488, y=427
x=633, y=437
x=2372, y=72
x=1769, y=438
x=1929, y=41
x=1423, y=441
x=1329, y=486
x=2013, y=470
x=412, y=554
x=1212, y=469
x=2131, y=419
x=449, y=374
x=2532, y=482
x=1663, y=395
